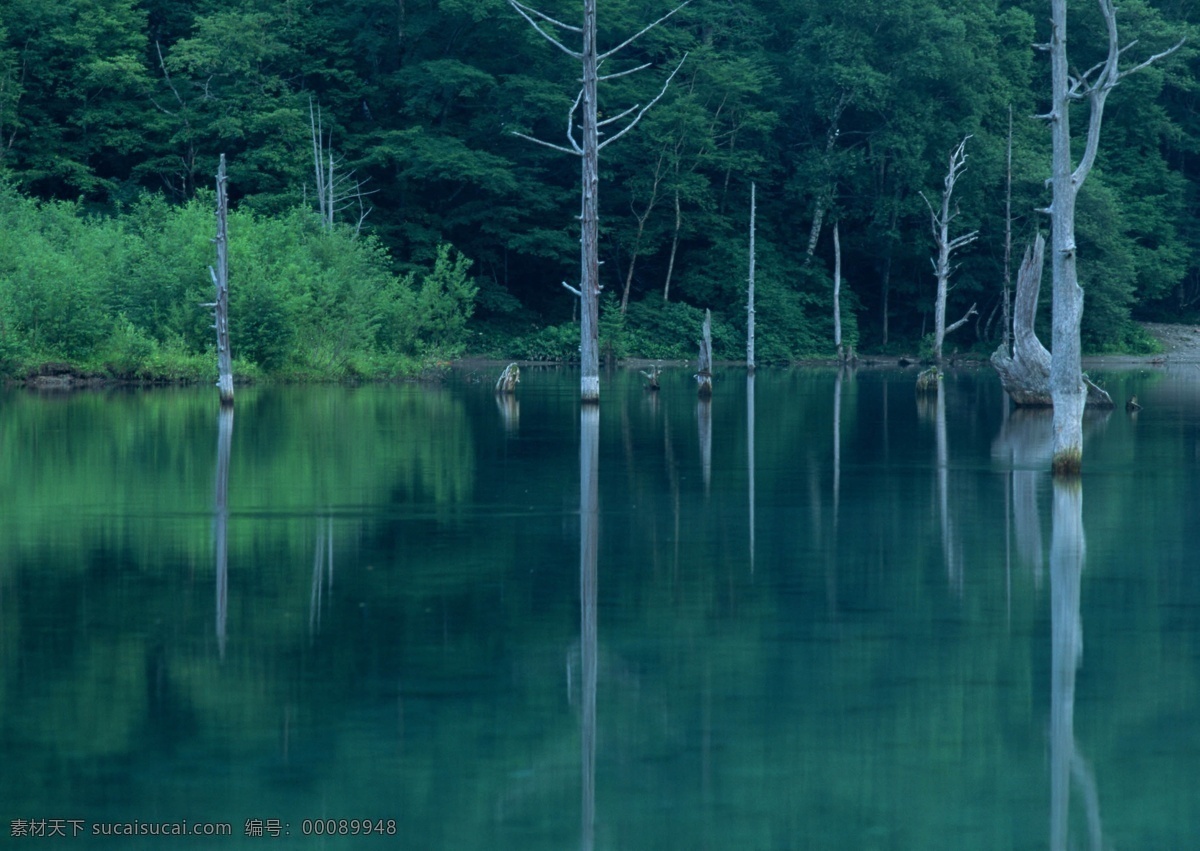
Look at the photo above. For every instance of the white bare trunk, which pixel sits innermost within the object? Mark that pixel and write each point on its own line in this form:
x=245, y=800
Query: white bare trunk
x=837, y=292
x=704, y=363
x=220, y=279
x=940, y=225
x=750, y=291
x=1066, y=374
x=589, y=308
x=587, y=147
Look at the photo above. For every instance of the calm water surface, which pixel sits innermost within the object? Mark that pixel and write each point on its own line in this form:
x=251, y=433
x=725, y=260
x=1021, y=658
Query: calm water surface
x=814, y=613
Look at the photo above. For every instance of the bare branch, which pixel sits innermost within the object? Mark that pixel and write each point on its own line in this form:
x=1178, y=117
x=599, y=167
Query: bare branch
x=960, y=241
x=643, y=110
x=568, y=27
x=521, y=9
x=1152, y=59
x=955, y=326
x=577, y=293
x=601, y=57
x=616, y=74
x=546, y=144
x=617, y=117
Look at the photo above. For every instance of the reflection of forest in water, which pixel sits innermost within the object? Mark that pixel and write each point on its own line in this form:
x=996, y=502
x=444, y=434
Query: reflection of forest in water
x=811, y=595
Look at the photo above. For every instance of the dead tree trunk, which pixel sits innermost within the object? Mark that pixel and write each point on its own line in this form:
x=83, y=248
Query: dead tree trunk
x=750, y=292
x=837, y=294
x=704, y=364
x=1066, y=375
x=337, y=190
x=1025, y=372
x=588, y=147
x=939, y=223
x=220, y=279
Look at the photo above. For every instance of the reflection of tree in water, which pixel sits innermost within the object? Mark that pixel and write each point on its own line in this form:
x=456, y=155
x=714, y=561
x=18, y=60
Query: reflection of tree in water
x=932, y=406
x=1023, y=446
x=221, y=520
x=589, y=517
x=1067, y=553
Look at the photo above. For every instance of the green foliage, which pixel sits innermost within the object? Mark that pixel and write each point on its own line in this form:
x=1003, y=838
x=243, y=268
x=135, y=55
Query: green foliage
x=126, y=296
x=445, y=302
x=837, y=111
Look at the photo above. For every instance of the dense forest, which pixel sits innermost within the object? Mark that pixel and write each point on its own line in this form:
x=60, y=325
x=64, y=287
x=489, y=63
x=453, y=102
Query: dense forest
x=449, y=233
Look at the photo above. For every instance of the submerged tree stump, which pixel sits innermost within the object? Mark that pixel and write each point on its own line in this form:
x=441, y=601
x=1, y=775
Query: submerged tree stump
x=651, y=377
x=927, y=381
x=1025, y=372
x=506, y=384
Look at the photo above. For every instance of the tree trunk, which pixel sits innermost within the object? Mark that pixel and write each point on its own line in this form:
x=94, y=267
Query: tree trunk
x=1066, y=373
x=588, y=149
x=1066, y=376
x=704, y=364
x=1025, y=373
x=674, y=248
x=589, y=306
x=220, y=279
x=750, y=292
x=940, y=225
x=837, y=293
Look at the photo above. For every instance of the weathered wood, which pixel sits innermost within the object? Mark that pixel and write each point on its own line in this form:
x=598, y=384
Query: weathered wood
x=750, y=291
x=506, y=384
x=940, y=225
x=837, y=294
x=651, y=377
x=704, y=363
x=1067, y=385
x=220, y=279
x=1025, y=372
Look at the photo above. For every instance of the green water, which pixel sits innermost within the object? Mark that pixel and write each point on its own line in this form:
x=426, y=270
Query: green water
x=813, y=614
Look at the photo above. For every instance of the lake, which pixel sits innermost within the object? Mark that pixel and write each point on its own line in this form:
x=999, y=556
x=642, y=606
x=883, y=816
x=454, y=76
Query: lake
x=817, y=612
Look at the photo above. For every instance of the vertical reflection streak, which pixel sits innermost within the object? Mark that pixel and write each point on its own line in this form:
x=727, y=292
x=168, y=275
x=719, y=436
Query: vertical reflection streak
x=589, y=511
x=1067, y=556
x=221, y=518
x=750, y=455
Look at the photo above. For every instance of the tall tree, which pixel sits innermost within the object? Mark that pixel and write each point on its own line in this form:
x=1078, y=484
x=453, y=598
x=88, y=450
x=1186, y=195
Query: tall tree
x=1067, y=387
x=587, y=147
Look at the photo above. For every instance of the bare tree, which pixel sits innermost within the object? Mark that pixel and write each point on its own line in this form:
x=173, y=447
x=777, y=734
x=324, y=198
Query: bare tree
x=337, y=190
x=939, y=223
x=1067, y=387
x=220, y=279
x=587, y=146
x=704, y=363
x=750, y=291
x=837, y=294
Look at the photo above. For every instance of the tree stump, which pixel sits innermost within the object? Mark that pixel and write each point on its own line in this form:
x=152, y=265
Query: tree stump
x=1025, y=372
x=506, y=384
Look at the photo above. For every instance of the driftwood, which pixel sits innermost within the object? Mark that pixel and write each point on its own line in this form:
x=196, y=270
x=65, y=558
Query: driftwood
x=1025, y=372
x=651, y=377
x=704, y=372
